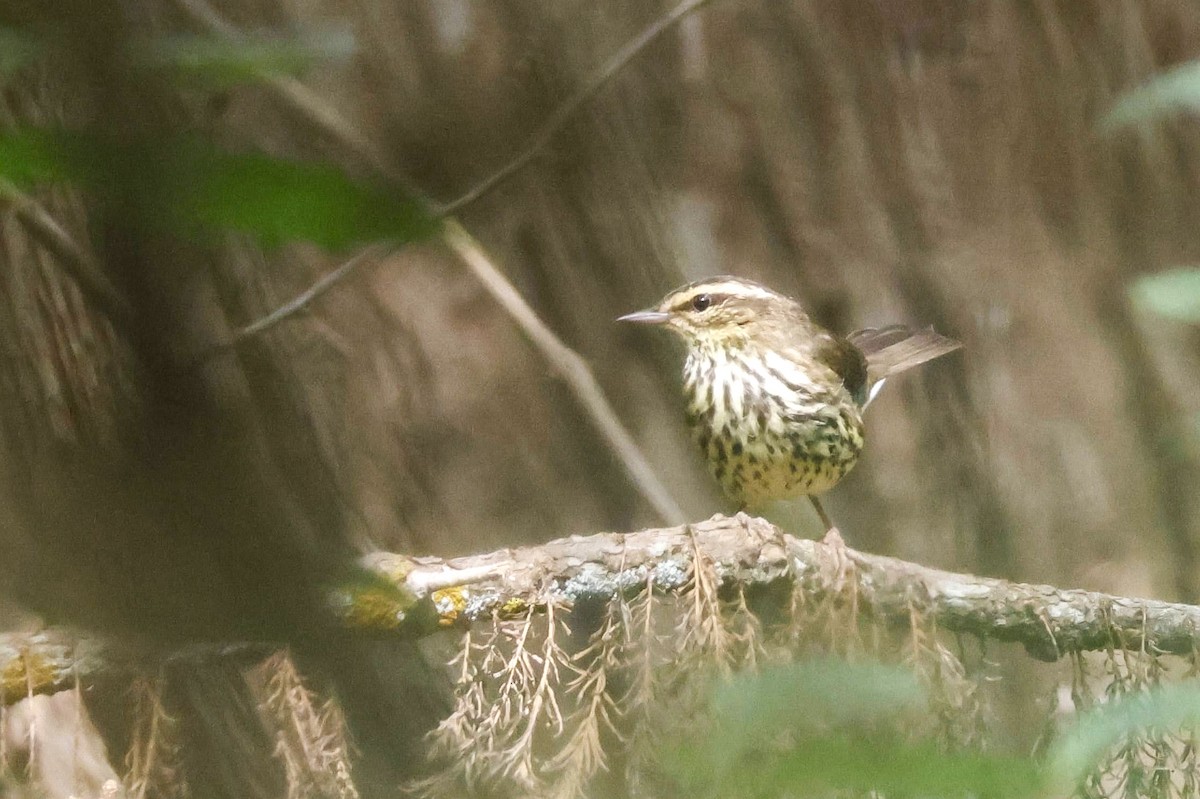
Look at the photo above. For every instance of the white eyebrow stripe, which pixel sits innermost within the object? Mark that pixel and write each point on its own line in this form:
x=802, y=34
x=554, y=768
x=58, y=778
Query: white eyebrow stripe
x=735, y=288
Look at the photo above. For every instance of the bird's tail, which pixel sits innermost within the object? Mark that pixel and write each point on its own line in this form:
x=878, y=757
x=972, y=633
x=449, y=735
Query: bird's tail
x=893, y=349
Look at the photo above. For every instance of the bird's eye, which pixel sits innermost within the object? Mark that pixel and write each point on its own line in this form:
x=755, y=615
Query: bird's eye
x=701, y=302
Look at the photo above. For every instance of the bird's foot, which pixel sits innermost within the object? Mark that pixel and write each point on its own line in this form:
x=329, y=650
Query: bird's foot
x=842, y=565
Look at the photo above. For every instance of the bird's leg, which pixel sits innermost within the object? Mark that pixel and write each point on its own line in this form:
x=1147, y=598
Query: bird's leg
x=832, y=536
x=833, y=540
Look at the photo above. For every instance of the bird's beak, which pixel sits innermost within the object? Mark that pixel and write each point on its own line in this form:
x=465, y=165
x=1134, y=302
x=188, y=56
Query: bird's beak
x=645, y=317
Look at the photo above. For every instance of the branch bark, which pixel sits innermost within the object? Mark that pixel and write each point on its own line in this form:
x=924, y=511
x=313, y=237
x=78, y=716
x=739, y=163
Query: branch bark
x=1048, y=622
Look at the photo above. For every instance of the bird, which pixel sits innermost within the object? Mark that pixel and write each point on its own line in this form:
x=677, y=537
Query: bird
x=775, y=401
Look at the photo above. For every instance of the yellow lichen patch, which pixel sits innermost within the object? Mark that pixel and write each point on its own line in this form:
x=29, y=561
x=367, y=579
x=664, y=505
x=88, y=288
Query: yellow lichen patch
x=450, y=603
x=514, y=608
x=25, y=674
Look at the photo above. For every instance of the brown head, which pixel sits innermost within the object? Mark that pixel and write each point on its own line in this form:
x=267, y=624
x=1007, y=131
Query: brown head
x=727, y=311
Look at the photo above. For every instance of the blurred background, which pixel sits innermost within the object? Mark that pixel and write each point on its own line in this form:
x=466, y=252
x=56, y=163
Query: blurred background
x=925, y=162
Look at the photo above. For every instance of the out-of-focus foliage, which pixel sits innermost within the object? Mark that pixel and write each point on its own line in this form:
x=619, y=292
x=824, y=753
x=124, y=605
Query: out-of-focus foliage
x=219, y=63
x=30, y=157
x=831, y=725
x=1170, y=93
x=1174, y=294
x=188, y=185
x=16, y=50
x=279, y=200
x=1085, y=744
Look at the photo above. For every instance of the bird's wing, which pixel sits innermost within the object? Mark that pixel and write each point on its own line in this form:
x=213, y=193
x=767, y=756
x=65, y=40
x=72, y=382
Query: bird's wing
x=893, y=349
x=846, y=361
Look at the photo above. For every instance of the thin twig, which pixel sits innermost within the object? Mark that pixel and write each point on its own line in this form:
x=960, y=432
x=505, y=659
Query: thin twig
x=318, y=112
x=78, y=263
x=309, y=105
x=571, y=367
x=562, y=114
x=301, y=300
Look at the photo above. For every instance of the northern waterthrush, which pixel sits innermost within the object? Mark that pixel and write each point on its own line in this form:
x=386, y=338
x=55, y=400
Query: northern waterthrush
x=774, y=400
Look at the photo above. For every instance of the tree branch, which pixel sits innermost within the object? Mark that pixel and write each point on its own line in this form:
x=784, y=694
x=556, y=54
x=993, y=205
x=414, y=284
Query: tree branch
x=1049, y=622
x=747, y=552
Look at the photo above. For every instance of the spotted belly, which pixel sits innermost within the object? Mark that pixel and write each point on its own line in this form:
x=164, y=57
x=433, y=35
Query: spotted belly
x=809, y=457
x=761, y=449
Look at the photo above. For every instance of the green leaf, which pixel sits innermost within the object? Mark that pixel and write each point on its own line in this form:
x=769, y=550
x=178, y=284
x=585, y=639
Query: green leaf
x=280, y=201
x=1174, y=294
x=29, y=157
x=1169, y=93
x=223, y=62
x=187, y=185
x=1082, y=747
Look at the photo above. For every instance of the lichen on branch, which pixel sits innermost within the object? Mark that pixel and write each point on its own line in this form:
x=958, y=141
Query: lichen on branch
x=744, y=553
